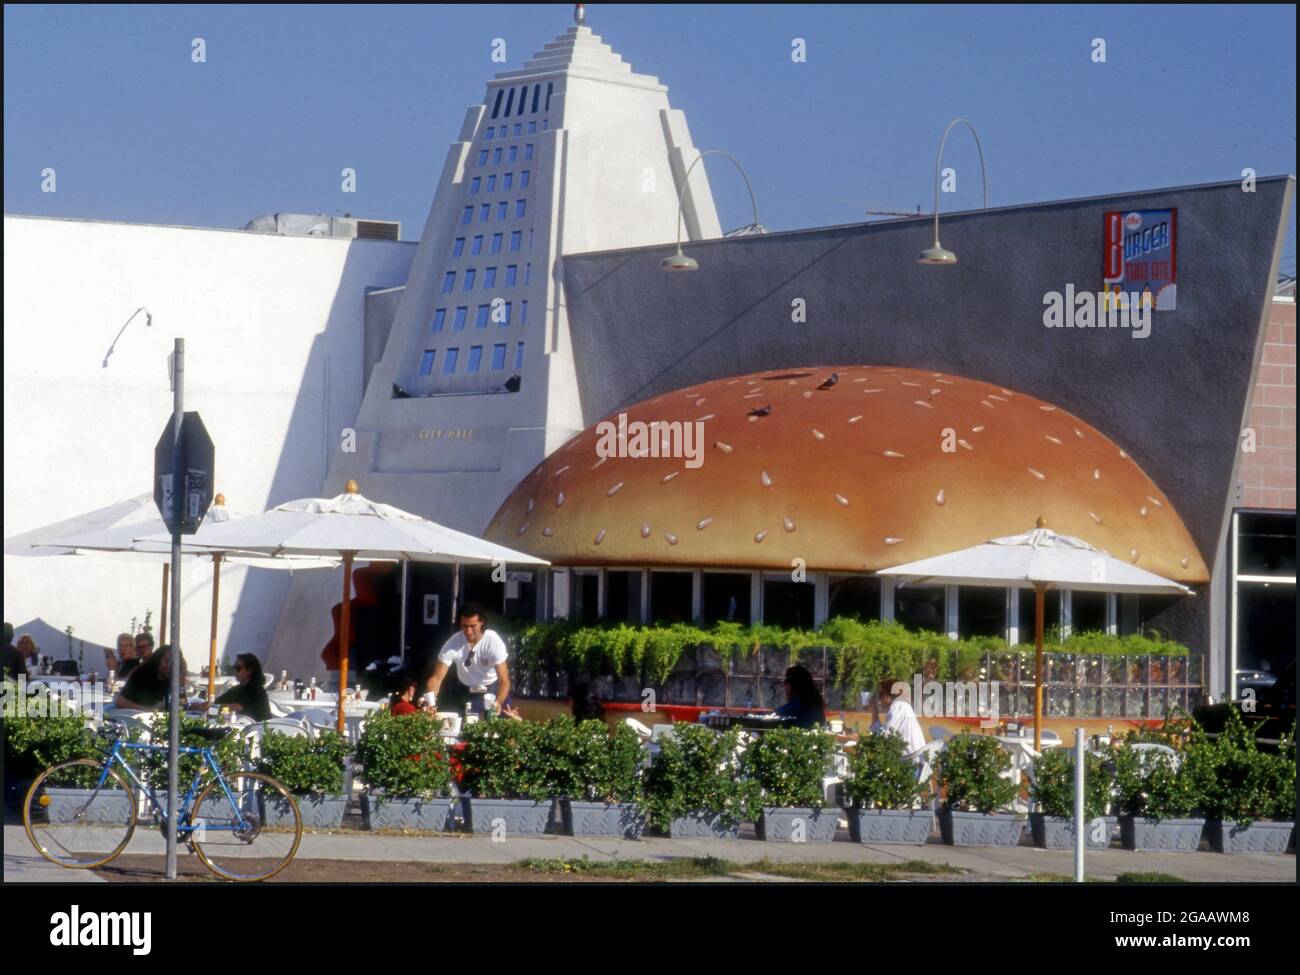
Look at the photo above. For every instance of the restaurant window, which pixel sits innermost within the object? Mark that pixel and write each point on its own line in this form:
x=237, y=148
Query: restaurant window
x=426, y=362
x=670, y=597
x=585, y=593
x=726, y=597
x=787, y=603
x=854, y=597
x=920, y=607
x=1264, y=582
x=622, y=596
x=1051, y=613
x=981, y=611
x=1087, y=612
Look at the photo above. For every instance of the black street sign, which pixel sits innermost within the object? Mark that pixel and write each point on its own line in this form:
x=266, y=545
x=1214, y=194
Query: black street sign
x=197, y=460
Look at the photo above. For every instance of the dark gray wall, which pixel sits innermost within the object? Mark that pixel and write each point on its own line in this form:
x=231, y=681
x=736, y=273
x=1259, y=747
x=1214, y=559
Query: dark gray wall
x=1174, y=400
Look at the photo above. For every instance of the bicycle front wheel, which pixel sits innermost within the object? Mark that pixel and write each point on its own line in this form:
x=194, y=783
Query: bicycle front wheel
x=73, y=821
x=246, y=827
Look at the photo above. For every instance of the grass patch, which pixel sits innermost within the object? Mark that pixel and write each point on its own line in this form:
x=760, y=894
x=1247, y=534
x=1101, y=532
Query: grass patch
x=851, y=872
x=1148, y=877
x=675, y=869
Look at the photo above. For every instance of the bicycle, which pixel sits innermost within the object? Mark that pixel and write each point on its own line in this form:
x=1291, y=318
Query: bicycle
x=82, y=813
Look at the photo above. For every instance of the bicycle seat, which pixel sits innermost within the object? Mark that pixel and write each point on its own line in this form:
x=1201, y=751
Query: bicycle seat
x=214, y=734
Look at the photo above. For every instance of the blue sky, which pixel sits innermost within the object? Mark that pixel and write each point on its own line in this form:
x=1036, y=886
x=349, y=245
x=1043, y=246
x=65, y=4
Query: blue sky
x=109, y=98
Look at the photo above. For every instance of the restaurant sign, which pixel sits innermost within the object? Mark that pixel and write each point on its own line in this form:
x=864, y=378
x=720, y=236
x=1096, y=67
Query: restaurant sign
x=1141, y=251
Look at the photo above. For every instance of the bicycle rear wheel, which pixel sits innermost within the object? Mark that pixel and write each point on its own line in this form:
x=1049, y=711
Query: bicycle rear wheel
x=73, y=823
x=248, y=833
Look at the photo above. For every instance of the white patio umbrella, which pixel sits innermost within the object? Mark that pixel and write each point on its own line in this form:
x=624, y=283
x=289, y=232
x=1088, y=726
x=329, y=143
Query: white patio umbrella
x=354, y=527
x=117, y=530
x=1039, y=559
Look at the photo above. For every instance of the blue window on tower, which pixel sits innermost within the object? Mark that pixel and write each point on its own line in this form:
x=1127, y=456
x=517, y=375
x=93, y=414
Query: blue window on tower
x=458, y=323
x=482, y=157
x=467, y=215
x=474, y=184
x=439, y=319
x=520, y=206
x=426, y=362
x=491, y=183
x=546, y=125
x=523, y=102
x=484, y=212
x=448, y=282
x=532, y=128
x=498, y=357
x=469, y=280
x=481, y=318
x=489, y=278
x=519, y=355
x=512, y=275
x=549, y=86
x=528, y=151
x=519, y=127
x=449, y=361
x=475, y=358
x=523, y=313
x=506, y=320
x=503, y=208
x=490, y=130
x=528, y=273
x=458, y=247
x=537, y=91
x=523, y=179
x=496, y=243
x=477, y=246
x=496, y=106
x=496, y=156
x=507, y=180
x=514, y=153
x=510, y=100
x=516, y=239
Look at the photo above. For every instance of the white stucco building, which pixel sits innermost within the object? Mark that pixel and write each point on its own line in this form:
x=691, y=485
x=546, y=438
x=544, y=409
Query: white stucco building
x=274, y=328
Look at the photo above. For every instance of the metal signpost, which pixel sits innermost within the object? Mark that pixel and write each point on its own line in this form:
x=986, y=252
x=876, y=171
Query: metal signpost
x=183, y=478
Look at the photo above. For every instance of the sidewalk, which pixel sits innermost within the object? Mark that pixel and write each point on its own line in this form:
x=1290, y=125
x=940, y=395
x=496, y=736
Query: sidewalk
x=982, y=863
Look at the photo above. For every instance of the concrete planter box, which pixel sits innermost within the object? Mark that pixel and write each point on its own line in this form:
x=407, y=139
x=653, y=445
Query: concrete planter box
x=702, y=826
x=778, y=824
x=318, y=811
x=625, y=819
x=108, y=807
x=383, y=812
x=519, y=817
x=1259, y=837
x=1167, y=835
x=912, y=826
x=980, y=829
x=1057, y=832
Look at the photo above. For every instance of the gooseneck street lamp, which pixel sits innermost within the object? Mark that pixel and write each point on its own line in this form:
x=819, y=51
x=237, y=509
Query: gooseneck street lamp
x=679, y=261
x=938, y=254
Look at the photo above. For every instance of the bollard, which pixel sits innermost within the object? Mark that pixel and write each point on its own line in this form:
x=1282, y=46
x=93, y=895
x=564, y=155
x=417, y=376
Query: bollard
x=1079, y=824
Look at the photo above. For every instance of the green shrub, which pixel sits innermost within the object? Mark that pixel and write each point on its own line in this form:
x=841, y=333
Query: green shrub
x=1053, y=786
x=305, y=765
x=879, y=777
x=1152, y=784
x=1238, y=782
x=506, y=760
x=590, y=762
x=970, y=771
x=403, y=756
x=230, y=752
x=788, y=765
x=697, y=770
x=34, y=741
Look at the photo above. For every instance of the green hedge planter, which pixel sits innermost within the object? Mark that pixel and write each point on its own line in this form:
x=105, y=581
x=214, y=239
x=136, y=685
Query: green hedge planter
x=980, y=829
x=383, y=812
x=1057, y=832
x=66, y=805
x=1260, y=836
x=318, y=811
x=910, y=826
x=797, y=824
x=702, y=826
x=625, y=819
x=518, y=817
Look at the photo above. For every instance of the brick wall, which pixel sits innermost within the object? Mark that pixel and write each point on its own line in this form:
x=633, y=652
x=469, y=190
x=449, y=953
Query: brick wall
x=1268, y=474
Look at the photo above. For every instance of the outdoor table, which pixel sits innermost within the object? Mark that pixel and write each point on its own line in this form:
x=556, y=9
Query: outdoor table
x=750, y=722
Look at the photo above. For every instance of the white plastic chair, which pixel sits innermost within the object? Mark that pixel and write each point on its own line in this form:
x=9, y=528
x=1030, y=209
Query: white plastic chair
x=660, y=731
x=644, y=733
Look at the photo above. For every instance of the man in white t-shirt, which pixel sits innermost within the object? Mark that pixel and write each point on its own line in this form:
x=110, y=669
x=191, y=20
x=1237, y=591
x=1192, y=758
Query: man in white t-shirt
x=480, y=658
x=901, y=719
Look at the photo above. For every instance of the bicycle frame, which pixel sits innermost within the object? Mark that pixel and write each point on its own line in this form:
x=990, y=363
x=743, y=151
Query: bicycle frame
x=183, y=826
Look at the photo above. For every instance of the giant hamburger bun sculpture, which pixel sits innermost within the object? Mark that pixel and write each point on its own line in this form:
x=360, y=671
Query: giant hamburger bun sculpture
x=849, y=468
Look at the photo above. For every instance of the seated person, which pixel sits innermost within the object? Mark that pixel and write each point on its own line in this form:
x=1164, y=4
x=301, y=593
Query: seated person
x=804, y=707
x=147, y=687
x=402, y=699
x=125, y=660
x=586, y=705
x=901, y=719
x=248, y=696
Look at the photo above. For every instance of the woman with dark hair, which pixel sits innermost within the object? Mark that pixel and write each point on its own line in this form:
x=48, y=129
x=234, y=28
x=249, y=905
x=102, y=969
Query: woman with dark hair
x=586, y=705
x=804, y=706
x=402, y=700
x=248, y=697
x=149, y=684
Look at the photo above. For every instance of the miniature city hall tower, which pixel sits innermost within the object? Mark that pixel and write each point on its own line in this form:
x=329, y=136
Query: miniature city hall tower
x=572, y=152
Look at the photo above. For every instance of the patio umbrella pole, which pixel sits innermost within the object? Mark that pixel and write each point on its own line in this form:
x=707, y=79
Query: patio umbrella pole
x=1038, y=665
x=345, y=637
x=212, y=631
x=162, y=617
x=401, y=630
